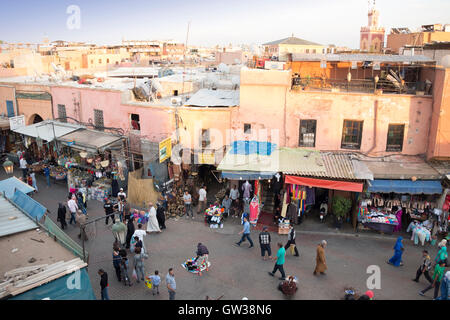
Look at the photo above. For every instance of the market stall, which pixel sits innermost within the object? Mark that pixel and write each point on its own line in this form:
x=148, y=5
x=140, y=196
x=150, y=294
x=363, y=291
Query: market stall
x=214, y=217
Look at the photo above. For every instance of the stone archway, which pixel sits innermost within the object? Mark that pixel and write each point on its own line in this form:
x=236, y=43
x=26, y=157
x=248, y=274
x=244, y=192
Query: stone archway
x=35, y=118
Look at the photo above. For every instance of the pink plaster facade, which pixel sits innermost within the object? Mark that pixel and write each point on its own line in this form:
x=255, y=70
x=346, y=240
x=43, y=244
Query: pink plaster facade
x=267, y=102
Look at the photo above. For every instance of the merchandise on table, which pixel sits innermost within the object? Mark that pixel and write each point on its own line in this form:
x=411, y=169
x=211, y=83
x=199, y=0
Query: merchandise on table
x=378, y=216
x=284, y=226
x=58, y=173
x=420, y=231
x=214, y=216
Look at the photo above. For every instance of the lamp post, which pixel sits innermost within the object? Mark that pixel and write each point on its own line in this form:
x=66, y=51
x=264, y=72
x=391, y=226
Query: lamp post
x=376, y=79
x=349, y=78
x=9, y=166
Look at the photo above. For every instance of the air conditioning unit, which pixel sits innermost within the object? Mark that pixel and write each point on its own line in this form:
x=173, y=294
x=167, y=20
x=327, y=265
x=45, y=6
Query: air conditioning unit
x=176, y=101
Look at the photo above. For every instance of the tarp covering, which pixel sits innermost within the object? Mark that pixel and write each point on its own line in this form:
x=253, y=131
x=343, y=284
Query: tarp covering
x=406, y=186
x=29, y=205
x=47, y=130
x=326, y=184
x=247, y=175
x=90, y=140
x=252, y=147
x=75, y=286
x=10, y=185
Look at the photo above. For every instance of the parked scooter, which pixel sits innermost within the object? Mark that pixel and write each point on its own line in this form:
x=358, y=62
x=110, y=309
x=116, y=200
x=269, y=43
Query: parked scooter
x=323, y=210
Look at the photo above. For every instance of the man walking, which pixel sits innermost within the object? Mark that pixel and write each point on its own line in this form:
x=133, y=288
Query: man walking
x=321, y=262
x=291, y=240
x=81, y=220
x=201, y=200
x=109, y=210
x=126, y=210
x=424, y=268
x=281, y=254
x=245, y=233
x=264, y=242
x=73, y=207
x=171, y=284
x=188, y=204
x=161, y=216
x=437, y=278
x=130, y=232
x=445, y=283
x=103, y=284
x=24, y=166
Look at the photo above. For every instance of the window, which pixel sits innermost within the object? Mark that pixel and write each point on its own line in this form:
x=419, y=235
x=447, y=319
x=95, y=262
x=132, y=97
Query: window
x=92, y=61
x=62, y=115
x=307, y=133
x=175, y=93
x=314, y=51
x=395, y=137
x=247, y=128
x=99, y=61
x=10, y=108
x=135, y=123
x=352, y=134
x=98, y=119
x=107, y=60
x=205, y=138
x=307, y=50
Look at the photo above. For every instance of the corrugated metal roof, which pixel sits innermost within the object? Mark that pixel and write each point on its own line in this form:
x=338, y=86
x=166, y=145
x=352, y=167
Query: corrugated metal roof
x=91, y=139
x=360, y=57
x=214, y=98
x=338, y=165
x=398, y=169
x=301, y=162
x=292, y=40
x=11, y=184
x=48, y=130
x=12, y=219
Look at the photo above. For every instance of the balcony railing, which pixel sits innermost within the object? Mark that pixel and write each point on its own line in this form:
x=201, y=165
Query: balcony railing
x=361, y=86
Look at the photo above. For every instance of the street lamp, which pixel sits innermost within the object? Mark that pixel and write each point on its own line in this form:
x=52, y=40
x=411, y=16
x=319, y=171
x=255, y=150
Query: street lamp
x=9, y=166
x=349, y=78
x=376, y=79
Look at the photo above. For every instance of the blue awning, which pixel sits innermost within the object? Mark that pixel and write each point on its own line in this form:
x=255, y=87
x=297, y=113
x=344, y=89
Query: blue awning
x=247, y=175
x=405, y=186
x=29, y=205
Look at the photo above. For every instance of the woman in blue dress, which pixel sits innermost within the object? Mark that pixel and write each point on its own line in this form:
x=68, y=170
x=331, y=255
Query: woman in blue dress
x=396, y=260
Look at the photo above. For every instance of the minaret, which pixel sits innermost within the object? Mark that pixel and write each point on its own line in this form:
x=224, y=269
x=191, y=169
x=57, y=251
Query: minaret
x=372, y=36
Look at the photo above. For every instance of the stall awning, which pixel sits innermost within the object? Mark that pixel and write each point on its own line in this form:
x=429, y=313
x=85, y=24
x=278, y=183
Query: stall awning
x=247, y=175
x=29, y=205
x=48, y=130
x=91, y=140
x=406, y=186
x=10, y=185
x=326, y=184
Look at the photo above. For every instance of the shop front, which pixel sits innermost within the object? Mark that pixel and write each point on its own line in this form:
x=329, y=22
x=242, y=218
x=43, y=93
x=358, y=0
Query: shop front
x=394, y=205
x=95, y=162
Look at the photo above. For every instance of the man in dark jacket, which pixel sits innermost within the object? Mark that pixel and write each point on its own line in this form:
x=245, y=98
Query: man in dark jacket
x=291, y=240
x=62, y=215
x=104, y=284
x=109, y=210
x=264, y=242
x=126, y=209
x=161, y=216
x=130, y=231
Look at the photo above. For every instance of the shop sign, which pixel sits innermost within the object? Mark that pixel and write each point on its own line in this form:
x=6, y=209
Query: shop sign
x=165, y=150
x=16, y=122
x=206, y=158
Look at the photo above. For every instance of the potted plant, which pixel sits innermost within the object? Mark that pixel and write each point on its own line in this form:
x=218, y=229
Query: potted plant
x=341, y=206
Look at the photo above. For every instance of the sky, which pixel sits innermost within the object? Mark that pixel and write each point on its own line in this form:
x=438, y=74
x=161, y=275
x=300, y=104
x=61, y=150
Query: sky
x=211, y=22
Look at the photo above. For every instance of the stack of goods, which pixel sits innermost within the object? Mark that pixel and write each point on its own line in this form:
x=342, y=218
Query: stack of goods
x=79, y=178
x=58, y=173
x=283, y=226
x=213, y=216
x=420, y=231
x=220, y=195
x=37, y=167
x=191, y=265
x=175, y=202
x=100, y=189
x=139, y=216
x=380, y=217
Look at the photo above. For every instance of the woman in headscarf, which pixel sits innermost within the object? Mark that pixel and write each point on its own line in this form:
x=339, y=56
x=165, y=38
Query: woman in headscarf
x=398, y=215
x=62, y=215
x=396, y=259
x=321, y=262
x=442, y=255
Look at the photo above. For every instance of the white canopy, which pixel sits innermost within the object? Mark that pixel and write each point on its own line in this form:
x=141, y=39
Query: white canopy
x=48, y=130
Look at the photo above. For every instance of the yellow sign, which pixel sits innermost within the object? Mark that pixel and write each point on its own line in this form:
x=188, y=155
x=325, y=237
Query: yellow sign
x=206, y=158
x=165, y=150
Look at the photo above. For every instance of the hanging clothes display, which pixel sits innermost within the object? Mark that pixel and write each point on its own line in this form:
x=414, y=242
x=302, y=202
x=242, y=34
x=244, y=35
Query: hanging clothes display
x=285, y=205
x=254, y=210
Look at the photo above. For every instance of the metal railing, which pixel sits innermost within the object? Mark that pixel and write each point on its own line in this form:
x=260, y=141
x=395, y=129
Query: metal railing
x=360, y=85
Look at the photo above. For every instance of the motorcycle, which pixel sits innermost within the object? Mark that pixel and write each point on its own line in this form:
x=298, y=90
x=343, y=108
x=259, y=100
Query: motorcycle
x=323, y=210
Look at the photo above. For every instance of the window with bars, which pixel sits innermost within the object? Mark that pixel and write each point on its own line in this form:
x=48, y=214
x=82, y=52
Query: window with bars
x=205, y=138
x=307, y=136
x=352, y=134
x=247, y=128
x=98, y=119
x=62, y=115
x=395, y=137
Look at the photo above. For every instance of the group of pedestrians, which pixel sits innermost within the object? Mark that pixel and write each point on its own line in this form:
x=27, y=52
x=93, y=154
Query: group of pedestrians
x=439, y=280
x=264, y=242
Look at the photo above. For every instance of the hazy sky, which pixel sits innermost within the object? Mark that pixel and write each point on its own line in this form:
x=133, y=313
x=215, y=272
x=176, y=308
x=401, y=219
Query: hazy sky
x=212, y=22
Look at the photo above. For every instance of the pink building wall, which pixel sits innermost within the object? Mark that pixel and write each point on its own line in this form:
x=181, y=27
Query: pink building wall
x=267, y=102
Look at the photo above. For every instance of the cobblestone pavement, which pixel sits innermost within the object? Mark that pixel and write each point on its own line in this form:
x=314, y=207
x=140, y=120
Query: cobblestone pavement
x=238, y=272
